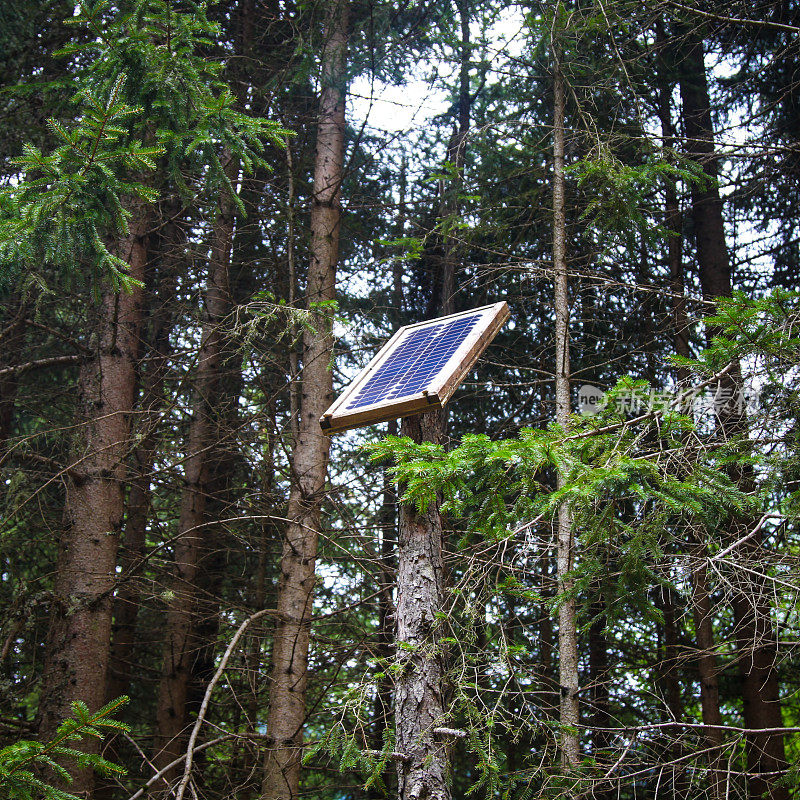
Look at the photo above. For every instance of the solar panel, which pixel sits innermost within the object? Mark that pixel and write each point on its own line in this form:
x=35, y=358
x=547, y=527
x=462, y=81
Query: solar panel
x=417, y=369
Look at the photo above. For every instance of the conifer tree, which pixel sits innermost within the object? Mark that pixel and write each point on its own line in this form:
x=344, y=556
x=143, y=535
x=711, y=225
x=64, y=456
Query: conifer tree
x=88, y=192
x=309, y=459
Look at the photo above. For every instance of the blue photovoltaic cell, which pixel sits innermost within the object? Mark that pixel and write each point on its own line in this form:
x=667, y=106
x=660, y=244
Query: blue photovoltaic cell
x=413, y=363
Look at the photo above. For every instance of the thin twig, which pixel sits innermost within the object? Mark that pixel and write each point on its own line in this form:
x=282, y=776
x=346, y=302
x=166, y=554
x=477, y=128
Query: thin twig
x=761, y=23
x=187, y=770
x=177, y=761
x=41, y=363
x=750, y=535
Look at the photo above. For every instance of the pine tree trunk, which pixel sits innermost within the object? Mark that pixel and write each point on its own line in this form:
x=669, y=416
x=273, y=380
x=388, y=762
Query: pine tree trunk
x=382, y=709
x=600, y=696
x=77, y=647
x=672, y=685
x=700, y=600
x=389, y=525
x=547, y=669
x=310, y=454
x=262, y=590
x=443, y=252
x=127, y=597
x=676, y=779
x=11, y=341
x=193, y=536
x=709, y=683
x=419, y=704
x=673, y=219
x=387, y=567
x=419, y=689
x=567, y=625
x=755, y=635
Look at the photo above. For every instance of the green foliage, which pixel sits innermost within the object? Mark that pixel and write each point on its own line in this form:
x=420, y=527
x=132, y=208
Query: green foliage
x=628, y=494
x=767, y=328
x=637, y=485
x=604, y=458
x=187, y=105
x=71, y=199
x=764, y=334
x=346, y=741
x=150, y=90
x=22, y=763
x=619, y=191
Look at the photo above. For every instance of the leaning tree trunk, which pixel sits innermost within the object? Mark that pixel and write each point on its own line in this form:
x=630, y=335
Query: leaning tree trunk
x=756, y=640
x=567, y=625
x=191, y=542
x=78, y=639
x=309, y=464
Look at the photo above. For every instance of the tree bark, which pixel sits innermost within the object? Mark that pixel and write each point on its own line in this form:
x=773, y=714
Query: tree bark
x=388, y=567
x=547, y=669
x=310, y=453
x=756, y=640
x=193, y=536
x=567, y=625
x=700, y=601
x=676, y=779
x=709, y=682
x=598, y=675
x=11, y=342
x=443, y=253
x=673, y=219
x=263, y=597
x=78, y=639
x=127, y=597
x=419, y=689
x=419, y=704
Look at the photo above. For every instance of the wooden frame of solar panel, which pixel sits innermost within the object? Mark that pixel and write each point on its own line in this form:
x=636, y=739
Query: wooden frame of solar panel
x=439, y=386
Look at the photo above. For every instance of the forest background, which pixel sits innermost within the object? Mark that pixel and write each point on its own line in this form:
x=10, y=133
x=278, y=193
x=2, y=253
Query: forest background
x=213, y=215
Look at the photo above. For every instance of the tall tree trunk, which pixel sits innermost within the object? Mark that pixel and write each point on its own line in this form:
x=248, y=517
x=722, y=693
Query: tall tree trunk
x=262, y=590
x=419, y=703
x=389, y=521
x=192, y=539
x=600, y=696
x=709, y=682
x=756, y=639
x=11, y=340
x=388, y=566
x=567, y=625
x=673, y=222
x=310, y=453
x=700, y=598
x=444, y=248
x=127, y=597
x=419, y=690
x=78, y=639
x=669, y=666
x=669, y=677
x=551, y=698
x=128, y=594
